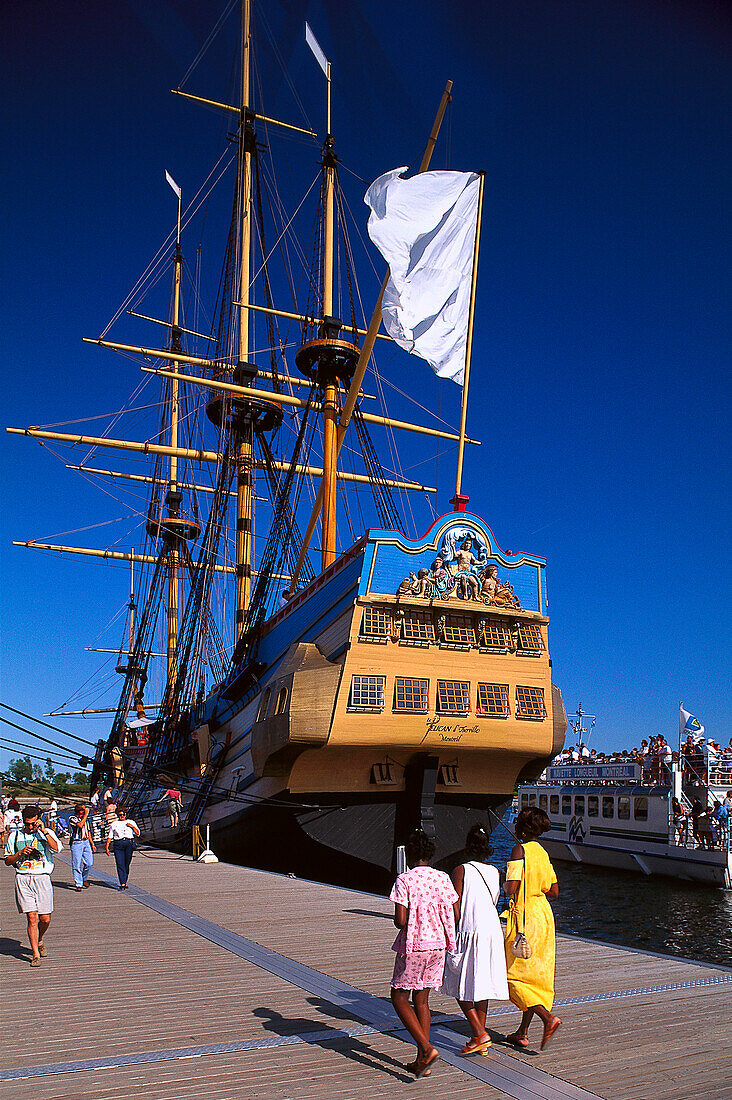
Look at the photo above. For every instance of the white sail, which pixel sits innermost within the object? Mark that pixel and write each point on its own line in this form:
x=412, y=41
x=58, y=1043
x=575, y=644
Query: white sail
x=424, y=228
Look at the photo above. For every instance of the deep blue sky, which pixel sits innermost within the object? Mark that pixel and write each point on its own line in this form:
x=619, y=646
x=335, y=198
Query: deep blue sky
x=601, y=357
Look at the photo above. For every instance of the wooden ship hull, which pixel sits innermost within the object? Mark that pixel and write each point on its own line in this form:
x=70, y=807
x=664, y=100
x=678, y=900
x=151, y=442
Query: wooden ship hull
x=376, y=706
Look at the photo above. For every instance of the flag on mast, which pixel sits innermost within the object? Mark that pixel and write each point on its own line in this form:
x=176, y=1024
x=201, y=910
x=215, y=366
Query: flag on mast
x=688, y=724
x=424, y=227
x=172, y=183
x=316, y=50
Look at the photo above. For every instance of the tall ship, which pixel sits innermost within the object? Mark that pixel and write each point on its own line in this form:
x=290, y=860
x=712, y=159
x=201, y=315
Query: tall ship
x=320, y=652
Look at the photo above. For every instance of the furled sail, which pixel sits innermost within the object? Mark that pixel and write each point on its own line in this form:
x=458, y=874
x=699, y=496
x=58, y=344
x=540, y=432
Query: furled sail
x=424, y=228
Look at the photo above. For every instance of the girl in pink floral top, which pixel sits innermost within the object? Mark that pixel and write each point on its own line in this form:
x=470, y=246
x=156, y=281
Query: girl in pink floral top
x=424, y=901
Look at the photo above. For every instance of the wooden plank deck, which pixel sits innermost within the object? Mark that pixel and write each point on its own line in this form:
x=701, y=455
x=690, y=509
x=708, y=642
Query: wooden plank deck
x=164, y=992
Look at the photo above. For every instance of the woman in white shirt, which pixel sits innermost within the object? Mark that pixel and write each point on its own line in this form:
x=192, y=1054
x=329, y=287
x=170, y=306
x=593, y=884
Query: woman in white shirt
x=121, y=834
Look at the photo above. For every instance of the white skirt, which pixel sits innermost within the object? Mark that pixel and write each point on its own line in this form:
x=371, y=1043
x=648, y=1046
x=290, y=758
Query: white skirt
x=476, y=970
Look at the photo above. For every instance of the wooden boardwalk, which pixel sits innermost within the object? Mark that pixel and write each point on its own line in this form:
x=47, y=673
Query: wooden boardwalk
x=224, y=982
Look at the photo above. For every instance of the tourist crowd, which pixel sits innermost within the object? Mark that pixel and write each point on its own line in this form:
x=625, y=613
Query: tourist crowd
x=700, y=757
x=699, y=819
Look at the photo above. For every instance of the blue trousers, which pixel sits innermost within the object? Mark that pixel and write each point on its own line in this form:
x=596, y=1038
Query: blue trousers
x=82, y=860
x=122, y=857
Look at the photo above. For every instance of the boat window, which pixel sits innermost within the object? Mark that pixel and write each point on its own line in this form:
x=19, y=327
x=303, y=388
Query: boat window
x=532, y=800
x=553, y=803
x=579, y=804
x=493, y=699
x=367, y=693
x=567, y=805
x=530, y=702
x=640, y=809
x=375, y=623
x=542, y=802
x=410, y=695
x=524, y=801
x=623, y=808
x=495, y=633
x=417, y=627
x=593, y=805
x=529, y=637
x=281, y=701
x=263, y=706
x=608, y=805
x=453, y=696
x=458, y=630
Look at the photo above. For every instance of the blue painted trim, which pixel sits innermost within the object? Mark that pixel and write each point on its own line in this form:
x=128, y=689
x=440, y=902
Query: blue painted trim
x=432, y=537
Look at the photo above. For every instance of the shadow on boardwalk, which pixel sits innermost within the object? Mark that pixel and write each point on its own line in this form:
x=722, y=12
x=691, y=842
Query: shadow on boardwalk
x=334, y=1040
x=14, y=949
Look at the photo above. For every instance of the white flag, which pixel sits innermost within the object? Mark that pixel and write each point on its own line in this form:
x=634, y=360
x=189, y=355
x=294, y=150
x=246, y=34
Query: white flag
x=172, y=183
x=688, y=724
x=424, y=228
x=316, y=50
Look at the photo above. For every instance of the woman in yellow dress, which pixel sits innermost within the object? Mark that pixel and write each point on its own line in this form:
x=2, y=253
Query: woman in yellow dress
x=530, y=880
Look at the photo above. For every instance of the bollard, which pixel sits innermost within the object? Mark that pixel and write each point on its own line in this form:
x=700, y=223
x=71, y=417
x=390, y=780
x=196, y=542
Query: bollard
x=207, y=855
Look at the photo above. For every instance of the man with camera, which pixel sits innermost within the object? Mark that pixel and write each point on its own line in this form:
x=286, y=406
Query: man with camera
x=29, y=849
x=81, y=845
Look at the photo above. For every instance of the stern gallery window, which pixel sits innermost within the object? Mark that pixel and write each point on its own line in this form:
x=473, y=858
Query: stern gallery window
x=375, y=623
x=367, y=692
x=529, y=637
x=530, y=702
x=459, y=630
x=493, y=699
x=410, y=694
x=453, y=696
x=417, y=627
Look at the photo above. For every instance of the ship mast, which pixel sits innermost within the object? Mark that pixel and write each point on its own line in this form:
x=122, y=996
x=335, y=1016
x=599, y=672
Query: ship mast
x=174, y=497
x=244, y=494
x=330, y=408
x=359, y=366
x=325, y=357
x=328, y=358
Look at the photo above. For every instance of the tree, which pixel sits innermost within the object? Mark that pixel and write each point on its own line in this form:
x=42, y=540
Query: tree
x=21, y=769
x=50, y=772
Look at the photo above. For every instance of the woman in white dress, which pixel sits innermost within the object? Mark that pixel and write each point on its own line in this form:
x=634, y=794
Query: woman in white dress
x=476, y=971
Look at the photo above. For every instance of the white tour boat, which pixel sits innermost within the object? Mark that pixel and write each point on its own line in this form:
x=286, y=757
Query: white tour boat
x=613, y=815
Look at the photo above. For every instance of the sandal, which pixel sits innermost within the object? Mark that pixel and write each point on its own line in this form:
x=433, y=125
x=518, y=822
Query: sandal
x=421, y=1067
x=42, y=950
x=412, y=1067
x=477, y=1045
x=549, y=1030
x=517, y=1040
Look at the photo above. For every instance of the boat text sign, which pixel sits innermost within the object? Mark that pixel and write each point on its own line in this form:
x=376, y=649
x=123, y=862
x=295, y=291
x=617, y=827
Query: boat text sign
x=595, y=771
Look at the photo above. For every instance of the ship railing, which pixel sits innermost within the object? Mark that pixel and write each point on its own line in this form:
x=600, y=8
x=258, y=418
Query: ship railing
x=683, y=835
x=656, y=771
x=720, y=774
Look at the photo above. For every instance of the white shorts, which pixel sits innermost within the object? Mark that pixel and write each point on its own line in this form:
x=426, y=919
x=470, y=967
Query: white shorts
x=34, y=894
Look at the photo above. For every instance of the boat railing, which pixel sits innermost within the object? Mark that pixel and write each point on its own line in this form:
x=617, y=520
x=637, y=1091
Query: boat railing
x=684, y=831
x=720, y=774
x=657, y=770
x=701, y=771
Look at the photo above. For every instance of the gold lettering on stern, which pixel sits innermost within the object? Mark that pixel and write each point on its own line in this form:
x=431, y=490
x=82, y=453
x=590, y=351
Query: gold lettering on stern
x=447, y=732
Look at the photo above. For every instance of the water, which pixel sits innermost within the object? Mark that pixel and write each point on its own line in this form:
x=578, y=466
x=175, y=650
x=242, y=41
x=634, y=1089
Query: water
x=652, y=914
